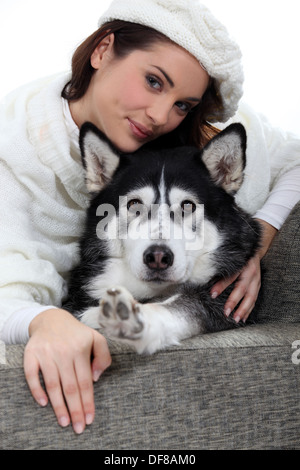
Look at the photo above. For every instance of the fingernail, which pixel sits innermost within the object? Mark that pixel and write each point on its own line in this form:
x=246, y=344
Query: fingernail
x=237, y=319
x=78, y=428
x=96, y=375
x=43, y=402
x=64, y=421
x=89, y=419
x=214, y=295
x=227, y=312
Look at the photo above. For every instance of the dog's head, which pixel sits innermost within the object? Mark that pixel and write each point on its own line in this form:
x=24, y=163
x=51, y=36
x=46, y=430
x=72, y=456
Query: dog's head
x=170, y=215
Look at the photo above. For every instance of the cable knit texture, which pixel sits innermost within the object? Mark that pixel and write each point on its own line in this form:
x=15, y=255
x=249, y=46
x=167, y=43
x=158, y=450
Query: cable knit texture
x=43, y=198
x=192, y=26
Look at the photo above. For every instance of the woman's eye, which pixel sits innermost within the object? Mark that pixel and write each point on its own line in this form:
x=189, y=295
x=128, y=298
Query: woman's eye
x=154, y=82
x=184, y=107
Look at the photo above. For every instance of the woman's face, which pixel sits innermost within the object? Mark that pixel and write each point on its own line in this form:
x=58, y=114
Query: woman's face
x=136, y=99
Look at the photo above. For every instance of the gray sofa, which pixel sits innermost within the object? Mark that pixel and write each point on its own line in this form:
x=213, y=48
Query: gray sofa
x=231, y=390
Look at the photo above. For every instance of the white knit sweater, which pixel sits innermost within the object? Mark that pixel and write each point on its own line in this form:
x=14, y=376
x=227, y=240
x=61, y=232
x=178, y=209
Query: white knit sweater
x=43, y=196
x=43, y=199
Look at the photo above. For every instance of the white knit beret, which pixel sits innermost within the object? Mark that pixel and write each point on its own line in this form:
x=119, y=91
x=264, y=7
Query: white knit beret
x=192, y=26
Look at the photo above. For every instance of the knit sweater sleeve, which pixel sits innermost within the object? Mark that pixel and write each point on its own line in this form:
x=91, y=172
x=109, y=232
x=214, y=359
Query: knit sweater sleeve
x=16, y=328
x=273, y=161
x=43, y=201
x=28, y=277
x=283, y=198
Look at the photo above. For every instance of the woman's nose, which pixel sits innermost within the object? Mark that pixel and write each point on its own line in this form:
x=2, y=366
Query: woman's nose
x=159, y=113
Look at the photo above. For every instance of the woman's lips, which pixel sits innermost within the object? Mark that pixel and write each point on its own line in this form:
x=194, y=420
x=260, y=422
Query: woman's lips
x=139, y=131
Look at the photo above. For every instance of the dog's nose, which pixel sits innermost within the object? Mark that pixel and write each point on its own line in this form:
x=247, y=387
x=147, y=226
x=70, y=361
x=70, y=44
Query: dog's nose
x=158, y=257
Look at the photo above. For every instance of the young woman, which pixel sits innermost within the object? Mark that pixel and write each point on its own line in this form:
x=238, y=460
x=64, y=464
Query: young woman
x=155, y=71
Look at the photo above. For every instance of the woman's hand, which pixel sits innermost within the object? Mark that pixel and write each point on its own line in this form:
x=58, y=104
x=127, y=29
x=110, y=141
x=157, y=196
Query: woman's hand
x=245, y=292
x=70, y=356
x=247, y=282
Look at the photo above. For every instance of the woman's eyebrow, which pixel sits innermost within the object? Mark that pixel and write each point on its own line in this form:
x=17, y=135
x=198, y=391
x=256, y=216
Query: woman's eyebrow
x=197, y=100
x=169, y=80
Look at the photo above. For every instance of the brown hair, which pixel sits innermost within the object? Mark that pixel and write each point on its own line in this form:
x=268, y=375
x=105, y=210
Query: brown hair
x=195, y=128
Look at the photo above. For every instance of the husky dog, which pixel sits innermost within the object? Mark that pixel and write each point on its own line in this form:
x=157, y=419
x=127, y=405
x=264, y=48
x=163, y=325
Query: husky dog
x=162, y=227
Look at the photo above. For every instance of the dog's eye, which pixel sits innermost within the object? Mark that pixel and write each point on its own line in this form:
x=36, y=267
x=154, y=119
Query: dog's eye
x=188, y=207
x=134, y=205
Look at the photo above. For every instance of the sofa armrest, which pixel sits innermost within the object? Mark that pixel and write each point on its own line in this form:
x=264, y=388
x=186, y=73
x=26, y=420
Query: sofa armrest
x=279, y=299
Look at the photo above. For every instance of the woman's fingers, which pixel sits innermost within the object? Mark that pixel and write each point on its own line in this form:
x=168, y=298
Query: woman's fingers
x=69, y=387
x=245, y=292
x=32, y=367
x=31, y=370
x=244, y=295
x=65, y=363
x=55, y=393
x=222, y=285
x=86, y=391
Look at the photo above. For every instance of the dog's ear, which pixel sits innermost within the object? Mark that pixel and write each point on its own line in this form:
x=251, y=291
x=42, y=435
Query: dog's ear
x=100, y=159
x=225, y=157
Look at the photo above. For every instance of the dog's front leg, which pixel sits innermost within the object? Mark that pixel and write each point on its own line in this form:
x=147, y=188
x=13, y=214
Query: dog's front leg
x=146, y=327
x=166, y=324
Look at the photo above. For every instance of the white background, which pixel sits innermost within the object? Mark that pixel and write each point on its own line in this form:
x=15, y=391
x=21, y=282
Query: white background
x=38, y=37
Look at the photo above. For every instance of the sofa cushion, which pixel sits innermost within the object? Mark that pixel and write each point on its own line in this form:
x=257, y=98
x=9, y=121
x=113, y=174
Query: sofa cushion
x=231, y=390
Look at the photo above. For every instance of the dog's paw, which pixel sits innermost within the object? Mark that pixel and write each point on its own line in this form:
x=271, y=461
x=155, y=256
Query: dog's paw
x=120, y=314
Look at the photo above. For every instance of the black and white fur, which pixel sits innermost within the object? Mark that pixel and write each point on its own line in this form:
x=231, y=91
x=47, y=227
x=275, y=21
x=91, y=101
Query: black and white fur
x=151, y=288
